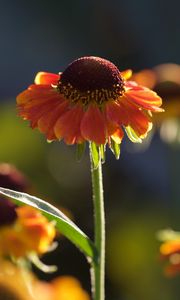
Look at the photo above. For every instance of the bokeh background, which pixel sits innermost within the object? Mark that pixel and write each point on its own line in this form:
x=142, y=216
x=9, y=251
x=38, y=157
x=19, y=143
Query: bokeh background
x=142, y=189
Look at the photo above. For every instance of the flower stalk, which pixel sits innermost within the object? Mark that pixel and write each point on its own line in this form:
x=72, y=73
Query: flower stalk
x=98, y=266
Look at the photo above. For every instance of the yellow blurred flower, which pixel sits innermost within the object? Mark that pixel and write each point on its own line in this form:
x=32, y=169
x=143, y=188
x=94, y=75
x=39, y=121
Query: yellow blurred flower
x=165, y=80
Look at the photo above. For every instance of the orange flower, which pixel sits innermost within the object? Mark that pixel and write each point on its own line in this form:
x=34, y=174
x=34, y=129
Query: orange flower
x=61, y=288
x=20, y=284
x=30, y=232
x=170, y=251
x=15, y=283
x=90, y=101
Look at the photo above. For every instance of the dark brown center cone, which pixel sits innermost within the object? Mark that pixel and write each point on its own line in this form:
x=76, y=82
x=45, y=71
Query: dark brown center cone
x=91, y=73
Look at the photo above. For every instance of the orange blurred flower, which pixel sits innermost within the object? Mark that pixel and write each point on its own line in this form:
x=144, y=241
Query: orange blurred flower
x=145, y=77
x=30, y=232
x=61, y=288
x=170, y=251
x=19, y=284
x=90, y=101
x=15, y=284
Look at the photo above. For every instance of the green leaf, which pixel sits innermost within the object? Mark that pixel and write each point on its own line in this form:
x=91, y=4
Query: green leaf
x=63, y=223
x=80, y=149
x=95, y=154
x=115, y=148
x=132, y=135
x=102, y=149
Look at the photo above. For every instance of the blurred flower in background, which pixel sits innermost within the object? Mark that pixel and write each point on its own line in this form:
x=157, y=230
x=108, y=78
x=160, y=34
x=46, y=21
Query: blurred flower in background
x=170, y=251
x=24, y=230
x=21, y=284
x=26, y=234
x=62, y=288
x=165, y=79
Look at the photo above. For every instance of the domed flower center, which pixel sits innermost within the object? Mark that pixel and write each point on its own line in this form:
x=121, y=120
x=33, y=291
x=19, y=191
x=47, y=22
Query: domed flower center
x=91, y=79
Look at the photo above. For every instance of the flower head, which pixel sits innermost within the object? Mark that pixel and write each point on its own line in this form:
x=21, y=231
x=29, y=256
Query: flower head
x=90, y=101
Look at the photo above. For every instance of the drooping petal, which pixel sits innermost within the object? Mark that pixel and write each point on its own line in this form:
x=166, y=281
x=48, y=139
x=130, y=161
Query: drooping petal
x=68, y=125
x=116, y=113
x=34, y=113
x=93, y=125
x=47, y=121
x=46, y=78
x=144, y=98
x=113, y=129
x=36, y=94
x=38, y=100
x=117, y=136
x=137, y=119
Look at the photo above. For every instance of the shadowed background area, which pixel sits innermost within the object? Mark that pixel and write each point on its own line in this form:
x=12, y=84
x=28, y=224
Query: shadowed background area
x=142, y=188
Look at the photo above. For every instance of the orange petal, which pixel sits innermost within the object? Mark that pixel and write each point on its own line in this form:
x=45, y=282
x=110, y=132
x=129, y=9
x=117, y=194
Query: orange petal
x=47, y=121
x=116, y=113
x=113, y=130
x=46, y=78
x=68, y=126
x=145, y=98
x=38, y=101
x=35, y=112
x=36, y=93
x=137, y=119
x=93, y=125
x=118, y=135
x=126, y=74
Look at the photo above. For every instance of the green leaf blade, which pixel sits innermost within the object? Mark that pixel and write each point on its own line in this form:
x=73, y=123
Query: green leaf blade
x=63, y=223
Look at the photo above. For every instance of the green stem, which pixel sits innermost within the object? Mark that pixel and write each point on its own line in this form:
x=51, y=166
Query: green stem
x=98, y=266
